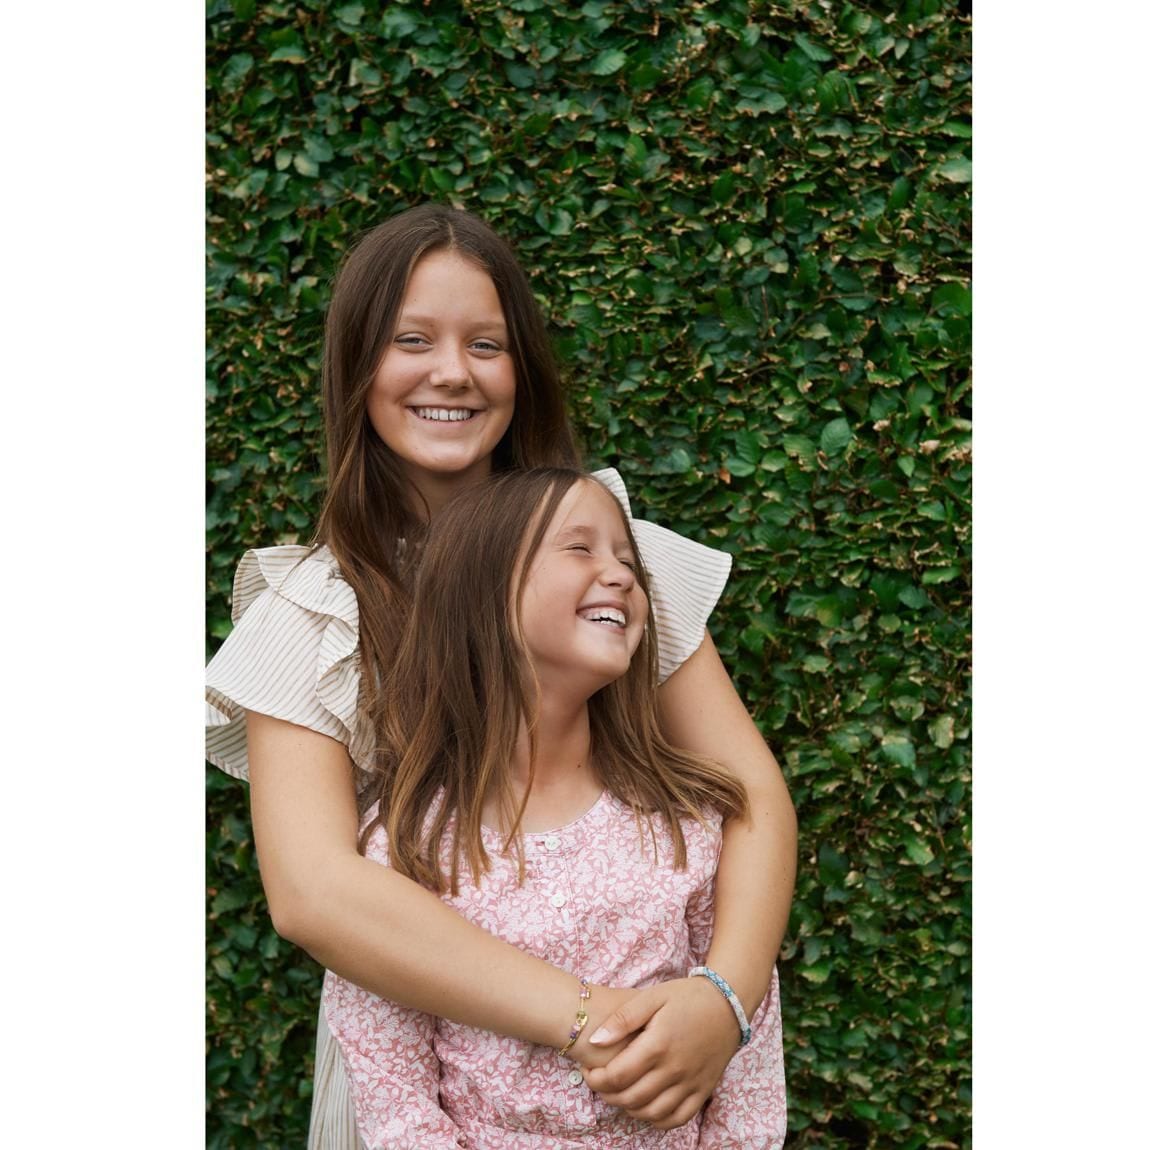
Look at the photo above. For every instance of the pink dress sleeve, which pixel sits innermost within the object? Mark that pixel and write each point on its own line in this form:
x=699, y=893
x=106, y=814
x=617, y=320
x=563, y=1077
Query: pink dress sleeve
x=389, y=1052
x=392, y=1067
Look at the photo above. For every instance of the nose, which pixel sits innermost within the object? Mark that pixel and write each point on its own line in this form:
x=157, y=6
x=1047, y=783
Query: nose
x=450, y=369
x=618, y=574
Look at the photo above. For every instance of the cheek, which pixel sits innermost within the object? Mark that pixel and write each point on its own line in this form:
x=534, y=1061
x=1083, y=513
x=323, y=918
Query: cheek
x=503, y=388
x=639, y=619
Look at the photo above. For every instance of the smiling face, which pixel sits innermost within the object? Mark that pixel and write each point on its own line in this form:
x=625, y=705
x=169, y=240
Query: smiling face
x=582, y=611
x=444, y=392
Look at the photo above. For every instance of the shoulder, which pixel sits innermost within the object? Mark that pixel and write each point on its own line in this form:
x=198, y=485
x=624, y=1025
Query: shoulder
x=293, y=653
x=307, y=576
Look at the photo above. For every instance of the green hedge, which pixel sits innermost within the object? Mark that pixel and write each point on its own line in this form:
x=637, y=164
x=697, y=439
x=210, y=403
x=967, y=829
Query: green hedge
x=749, y=226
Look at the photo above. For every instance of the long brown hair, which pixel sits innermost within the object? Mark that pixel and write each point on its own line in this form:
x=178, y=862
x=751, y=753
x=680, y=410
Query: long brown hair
x=367, y=510
x=450, y=708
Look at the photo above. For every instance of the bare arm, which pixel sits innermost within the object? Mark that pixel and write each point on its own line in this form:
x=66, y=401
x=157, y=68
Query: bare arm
x=372, y=926
x=651, y=1079
x=701, y=711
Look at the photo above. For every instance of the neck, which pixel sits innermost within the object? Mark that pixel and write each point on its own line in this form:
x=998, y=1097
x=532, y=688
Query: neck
x=433, y=490
x=562, y=745
x=565, y=784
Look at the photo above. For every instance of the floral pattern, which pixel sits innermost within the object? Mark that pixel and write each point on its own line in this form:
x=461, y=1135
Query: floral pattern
x=600, y=899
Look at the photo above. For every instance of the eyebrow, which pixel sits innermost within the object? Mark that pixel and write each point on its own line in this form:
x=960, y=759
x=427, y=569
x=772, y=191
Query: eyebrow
x=576, y=531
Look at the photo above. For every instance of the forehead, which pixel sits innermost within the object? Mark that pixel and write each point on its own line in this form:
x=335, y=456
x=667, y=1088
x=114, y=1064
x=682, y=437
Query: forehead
x=585, y=509
x=445, y=278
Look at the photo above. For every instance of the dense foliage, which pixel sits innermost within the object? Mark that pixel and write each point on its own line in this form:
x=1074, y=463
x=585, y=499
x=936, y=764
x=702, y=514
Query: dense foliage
x=749, y=226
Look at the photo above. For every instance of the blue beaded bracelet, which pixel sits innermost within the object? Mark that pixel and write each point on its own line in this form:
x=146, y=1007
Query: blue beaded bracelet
x=724, y=987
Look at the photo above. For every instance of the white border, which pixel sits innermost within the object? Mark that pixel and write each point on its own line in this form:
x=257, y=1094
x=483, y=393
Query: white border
x=104, y=584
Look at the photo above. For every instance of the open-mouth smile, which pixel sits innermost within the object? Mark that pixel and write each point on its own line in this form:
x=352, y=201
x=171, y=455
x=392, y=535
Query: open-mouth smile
x=607, y=616
x=443, y=414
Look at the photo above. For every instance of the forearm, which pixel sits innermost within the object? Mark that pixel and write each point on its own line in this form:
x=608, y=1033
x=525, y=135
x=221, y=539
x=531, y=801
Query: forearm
x=385, y=933
x=753, y=890
x=369, y=924
x=701, y=712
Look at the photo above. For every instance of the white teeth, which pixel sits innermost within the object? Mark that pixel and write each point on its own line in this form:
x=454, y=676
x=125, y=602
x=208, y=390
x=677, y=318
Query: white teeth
x=444, y=414
x=604, y=615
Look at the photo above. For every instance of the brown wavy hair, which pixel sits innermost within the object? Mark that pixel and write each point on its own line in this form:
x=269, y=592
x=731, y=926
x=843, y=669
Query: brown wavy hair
x=368, y=508
x=449, y=712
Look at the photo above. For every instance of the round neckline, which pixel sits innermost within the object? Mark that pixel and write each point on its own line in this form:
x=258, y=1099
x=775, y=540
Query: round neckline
x=563, y=828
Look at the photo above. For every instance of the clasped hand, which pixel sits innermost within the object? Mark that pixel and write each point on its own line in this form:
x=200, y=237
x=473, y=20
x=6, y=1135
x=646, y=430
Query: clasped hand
x=672, y=1043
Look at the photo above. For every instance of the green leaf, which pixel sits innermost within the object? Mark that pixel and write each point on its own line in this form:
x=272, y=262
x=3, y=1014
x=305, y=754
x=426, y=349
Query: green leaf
x=231, y=898
x=770, y=102
x=958, y=170
x=817, y=972
x=800, y=446
x=899, y=749
x=835, y=436
x=350, y=14
x=237, y=67
x=740, y=467
x=748, y=446
x=914, y=597
x=289, y=54
x=305, y=165
x=723, y=188
x=698, y=94
x=561, y=222
x=941, y=731
x=940, y=574
x=609, y=62
x=918, y=850
x=398, y=22
x=951, y=299
x=812, y=50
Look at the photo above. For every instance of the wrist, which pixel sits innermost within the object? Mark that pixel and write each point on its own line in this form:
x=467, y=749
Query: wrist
x=724, y=988
x=580, y=1020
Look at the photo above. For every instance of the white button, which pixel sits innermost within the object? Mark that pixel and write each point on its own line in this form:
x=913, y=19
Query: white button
x=575, y=1078
x=558, y=900
x=551, y=842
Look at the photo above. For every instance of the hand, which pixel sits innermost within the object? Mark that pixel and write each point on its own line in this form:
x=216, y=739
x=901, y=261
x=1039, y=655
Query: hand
x=669, y=1069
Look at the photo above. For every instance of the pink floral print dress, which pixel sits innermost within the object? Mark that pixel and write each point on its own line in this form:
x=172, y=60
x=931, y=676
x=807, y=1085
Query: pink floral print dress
x=603, y=902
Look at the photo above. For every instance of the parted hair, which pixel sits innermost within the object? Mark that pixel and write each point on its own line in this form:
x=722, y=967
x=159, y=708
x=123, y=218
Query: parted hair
x=368, y=518
x=451, y=706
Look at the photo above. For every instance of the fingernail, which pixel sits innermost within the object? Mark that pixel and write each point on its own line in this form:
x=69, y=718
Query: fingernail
x=601, y=1036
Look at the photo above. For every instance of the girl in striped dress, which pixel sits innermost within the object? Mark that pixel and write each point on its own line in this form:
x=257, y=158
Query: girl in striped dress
x=437, y=373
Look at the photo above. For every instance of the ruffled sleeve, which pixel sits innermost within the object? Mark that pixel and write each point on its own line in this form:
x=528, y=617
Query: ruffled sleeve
x=687, y=579
x=293, y=654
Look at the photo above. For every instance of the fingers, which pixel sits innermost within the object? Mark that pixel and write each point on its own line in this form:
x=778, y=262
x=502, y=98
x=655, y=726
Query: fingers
x=662, y=1104
x=634, y=1014
x=679, y=1115
x=625, y=1070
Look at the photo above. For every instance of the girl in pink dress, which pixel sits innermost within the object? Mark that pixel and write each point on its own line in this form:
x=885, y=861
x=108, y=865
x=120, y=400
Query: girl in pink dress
x=523, y=777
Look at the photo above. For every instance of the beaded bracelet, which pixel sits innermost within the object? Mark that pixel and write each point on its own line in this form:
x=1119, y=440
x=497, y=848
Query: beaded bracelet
x=724, y=987
x=580, y=1015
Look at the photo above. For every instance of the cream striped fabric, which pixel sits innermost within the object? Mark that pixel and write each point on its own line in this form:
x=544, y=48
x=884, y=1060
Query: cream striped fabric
x=294, y=654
